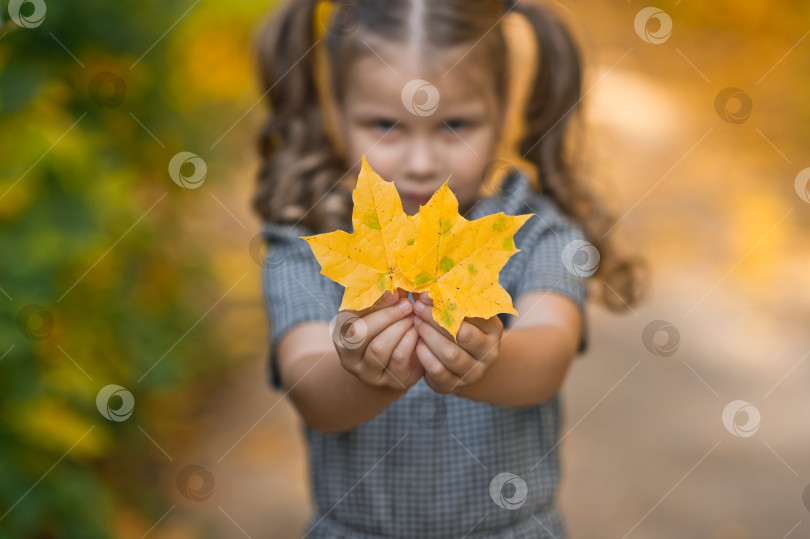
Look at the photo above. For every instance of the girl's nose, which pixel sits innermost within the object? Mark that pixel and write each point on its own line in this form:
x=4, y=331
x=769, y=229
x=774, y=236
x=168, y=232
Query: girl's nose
x=421, y=161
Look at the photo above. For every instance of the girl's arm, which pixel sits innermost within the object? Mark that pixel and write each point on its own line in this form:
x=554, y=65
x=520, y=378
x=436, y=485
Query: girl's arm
x=328, y=397
x=534, y=354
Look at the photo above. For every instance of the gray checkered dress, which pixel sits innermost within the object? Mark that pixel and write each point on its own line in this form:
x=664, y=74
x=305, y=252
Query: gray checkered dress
x=433, y=465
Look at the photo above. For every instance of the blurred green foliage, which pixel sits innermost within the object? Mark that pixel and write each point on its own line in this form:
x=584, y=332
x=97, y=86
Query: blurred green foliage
x=91, y=237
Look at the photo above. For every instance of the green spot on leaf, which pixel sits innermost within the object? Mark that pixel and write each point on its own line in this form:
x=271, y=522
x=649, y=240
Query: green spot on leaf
x=422, y=279
x=472, y=270
x=445, y=318
x=446, y=264
x=381, y=283
x=444, y=226
x=500, y=224
x=410, y=241
x=372, y=221
x=508, y=244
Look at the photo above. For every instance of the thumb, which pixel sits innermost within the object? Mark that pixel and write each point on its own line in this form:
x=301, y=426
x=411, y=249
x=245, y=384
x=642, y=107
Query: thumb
x=385, y=300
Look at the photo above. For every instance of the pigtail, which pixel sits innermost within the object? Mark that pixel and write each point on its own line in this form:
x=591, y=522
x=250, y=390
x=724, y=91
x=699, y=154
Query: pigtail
x=299, y=168
x=551, y=112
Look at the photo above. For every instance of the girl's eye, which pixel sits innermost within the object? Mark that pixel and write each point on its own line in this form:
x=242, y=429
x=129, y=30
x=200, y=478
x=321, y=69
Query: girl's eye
x=384, y=124
x=455, y=124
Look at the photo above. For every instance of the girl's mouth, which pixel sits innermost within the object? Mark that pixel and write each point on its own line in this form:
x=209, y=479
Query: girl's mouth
x=416, y=198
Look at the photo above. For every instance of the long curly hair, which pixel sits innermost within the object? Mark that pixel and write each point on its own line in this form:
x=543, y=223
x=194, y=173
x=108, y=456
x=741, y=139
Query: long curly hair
x=302, y=180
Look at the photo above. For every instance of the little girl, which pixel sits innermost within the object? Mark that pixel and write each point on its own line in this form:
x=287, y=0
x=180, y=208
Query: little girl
x=412, y=433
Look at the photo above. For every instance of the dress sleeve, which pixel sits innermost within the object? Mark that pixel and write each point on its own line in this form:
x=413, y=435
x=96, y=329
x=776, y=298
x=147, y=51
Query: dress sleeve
x=555, y=261
x=294, y=289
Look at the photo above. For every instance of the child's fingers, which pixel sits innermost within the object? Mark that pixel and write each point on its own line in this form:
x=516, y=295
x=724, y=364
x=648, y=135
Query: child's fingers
x=364, y=329
x=378, y=353
x=475, y=335
x=453, y=357
x=473, y=339
x=490, y=326
x=377, y=321
x=425, y=314
x=400, y=363
x=437, y=377
x=417, y=370
x=433, y=367
x=383, y=301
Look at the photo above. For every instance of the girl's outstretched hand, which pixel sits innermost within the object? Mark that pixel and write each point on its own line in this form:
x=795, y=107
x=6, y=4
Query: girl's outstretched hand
x=449, y=364
x=378, y=344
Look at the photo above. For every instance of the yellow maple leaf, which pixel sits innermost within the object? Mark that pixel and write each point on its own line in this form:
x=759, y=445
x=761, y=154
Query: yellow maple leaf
x=458, y=261
x=365, y=261
x=436, y=251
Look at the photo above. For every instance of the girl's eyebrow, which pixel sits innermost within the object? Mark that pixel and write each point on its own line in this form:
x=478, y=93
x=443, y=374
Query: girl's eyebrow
x=476, y=115
x=464, y=109
x=373, y=114
x=373, y=108
x=469, y=109
x=471, y=114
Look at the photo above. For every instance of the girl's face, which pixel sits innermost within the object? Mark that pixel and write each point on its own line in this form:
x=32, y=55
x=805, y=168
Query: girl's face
x=418, y=149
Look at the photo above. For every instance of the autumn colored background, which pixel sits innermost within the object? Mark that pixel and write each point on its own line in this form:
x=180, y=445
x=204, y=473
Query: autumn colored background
x=113, y=274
